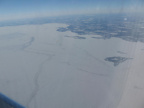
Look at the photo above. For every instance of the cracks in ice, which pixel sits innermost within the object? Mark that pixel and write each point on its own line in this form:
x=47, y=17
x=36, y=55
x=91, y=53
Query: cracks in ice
x=37, y=52
x=98, y=74
x=39, y=72
x=91, y=56
x=16, y=47
x=36, y=77
x=29, y=43
x=86, y=71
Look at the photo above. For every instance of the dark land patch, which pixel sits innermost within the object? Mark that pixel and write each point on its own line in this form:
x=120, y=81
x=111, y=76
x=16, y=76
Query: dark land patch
x=116, y=60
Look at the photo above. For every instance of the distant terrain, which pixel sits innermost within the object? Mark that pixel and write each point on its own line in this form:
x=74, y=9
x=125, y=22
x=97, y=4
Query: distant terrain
x=125, y=26
x=129, y=28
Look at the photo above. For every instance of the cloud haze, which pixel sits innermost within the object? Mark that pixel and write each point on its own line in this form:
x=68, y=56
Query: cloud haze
x=16, y=9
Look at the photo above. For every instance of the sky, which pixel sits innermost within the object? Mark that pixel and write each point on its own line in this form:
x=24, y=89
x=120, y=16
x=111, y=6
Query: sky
x=34, y=8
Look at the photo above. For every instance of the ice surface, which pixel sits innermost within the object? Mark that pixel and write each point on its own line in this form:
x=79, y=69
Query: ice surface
x=41, y=68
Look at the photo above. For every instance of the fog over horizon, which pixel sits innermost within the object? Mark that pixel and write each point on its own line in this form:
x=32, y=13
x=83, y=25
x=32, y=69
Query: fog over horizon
x=21, y=9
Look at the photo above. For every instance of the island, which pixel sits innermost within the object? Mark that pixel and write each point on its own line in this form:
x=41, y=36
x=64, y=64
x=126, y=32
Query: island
x=117, y=60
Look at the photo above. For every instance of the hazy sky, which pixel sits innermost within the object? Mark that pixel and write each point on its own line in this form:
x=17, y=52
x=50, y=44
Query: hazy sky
x=33, y=8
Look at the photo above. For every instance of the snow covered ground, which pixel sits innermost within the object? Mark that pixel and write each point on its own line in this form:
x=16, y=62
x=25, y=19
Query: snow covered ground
x=43, y=68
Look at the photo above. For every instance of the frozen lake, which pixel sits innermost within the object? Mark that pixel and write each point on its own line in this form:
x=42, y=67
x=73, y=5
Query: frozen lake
x=41, y=67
